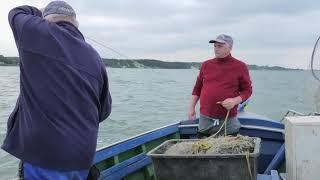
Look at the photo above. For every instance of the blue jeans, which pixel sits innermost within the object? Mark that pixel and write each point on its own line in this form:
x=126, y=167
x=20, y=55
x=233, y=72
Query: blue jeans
x=30, y=172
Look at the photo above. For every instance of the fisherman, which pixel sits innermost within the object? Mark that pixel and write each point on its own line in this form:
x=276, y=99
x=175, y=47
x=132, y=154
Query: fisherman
x=223, y=83
x=64, y=94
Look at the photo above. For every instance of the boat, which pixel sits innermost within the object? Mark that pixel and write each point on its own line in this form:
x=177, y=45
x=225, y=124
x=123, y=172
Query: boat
x=128, y=159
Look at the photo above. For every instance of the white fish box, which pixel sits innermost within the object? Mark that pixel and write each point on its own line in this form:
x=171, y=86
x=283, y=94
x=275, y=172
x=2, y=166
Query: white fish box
x=302, y=142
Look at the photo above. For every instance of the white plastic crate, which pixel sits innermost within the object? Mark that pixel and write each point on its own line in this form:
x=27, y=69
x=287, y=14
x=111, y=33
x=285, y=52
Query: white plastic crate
x=302, y=142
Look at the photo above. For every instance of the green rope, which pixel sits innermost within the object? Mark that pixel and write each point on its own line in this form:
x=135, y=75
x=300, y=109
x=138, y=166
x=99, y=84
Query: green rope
x=223, y=125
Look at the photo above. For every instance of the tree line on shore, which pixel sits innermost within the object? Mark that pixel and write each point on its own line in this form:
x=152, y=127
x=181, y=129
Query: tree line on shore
x=145, y=63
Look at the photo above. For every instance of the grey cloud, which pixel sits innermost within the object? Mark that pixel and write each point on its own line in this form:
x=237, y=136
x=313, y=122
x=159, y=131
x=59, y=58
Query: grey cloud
x=165, y=27
x=145, y=9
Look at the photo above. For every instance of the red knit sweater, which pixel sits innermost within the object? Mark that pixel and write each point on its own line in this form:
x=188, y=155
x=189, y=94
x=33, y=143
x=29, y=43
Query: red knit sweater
x=219, y=79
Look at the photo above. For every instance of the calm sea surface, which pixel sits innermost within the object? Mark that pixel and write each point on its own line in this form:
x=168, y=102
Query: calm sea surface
x=144, y=99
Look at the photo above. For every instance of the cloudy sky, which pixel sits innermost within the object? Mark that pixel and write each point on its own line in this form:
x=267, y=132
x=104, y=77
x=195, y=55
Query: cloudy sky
x=269, y=32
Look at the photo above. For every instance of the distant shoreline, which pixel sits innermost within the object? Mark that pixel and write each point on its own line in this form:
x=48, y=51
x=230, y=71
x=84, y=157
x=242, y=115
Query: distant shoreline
x=149, y=64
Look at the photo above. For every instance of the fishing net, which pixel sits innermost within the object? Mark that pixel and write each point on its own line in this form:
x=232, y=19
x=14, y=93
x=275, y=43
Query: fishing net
x=220, y=145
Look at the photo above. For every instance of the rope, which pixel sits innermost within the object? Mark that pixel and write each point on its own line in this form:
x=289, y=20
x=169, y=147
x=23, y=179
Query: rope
x=204, y=145
x=107, y=47
x=223, y=125
x=248, y=164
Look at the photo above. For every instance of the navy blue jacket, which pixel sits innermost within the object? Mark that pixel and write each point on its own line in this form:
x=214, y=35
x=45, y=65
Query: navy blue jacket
x=64, y=94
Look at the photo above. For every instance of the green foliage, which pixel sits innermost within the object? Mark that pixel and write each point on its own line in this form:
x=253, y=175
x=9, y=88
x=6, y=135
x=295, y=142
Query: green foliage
x=8, y=61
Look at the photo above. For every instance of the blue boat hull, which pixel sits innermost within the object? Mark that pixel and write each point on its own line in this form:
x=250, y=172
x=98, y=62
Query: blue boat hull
x=127, y=159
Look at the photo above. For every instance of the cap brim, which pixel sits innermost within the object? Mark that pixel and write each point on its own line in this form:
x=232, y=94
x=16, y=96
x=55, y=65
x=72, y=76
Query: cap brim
x=217, y=41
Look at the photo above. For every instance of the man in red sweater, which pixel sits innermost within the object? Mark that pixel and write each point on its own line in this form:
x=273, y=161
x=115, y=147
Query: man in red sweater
x=223, y=83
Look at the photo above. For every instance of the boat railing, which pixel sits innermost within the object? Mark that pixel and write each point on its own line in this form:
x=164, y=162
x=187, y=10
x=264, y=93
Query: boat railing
x=277, y=130
x=314, y=114
x=293, y=113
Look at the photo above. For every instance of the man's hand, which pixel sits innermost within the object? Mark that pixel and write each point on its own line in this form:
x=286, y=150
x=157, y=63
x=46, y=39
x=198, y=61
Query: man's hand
x=229, y=103
x=192, y=114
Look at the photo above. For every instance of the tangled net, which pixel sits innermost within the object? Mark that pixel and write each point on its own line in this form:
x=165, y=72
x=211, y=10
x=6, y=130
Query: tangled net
x=221, y=145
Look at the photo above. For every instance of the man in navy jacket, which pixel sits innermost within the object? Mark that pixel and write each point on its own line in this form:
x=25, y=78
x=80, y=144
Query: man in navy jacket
x=64, y=94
